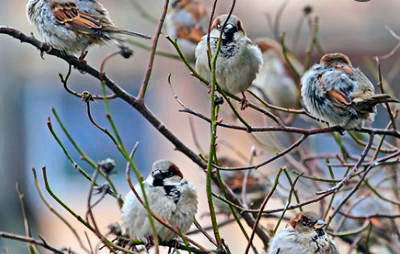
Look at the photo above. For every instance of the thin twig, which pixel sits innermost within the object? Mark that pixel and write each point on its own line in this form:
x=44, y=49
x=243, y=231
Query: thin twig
x=57, y=214
x=64, y=81
x=354, y=169
x=380, y=82
x=264, y=203
x=21, y=238
x=28, y=231
x=143, y=88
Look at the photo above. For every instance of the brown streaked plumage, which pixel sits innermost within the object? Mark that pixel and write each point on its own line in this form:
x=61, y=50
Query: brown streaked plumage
x=340, y=94
x=276, y=82
x=187, y=22
x=75, y=25
x=305, y=234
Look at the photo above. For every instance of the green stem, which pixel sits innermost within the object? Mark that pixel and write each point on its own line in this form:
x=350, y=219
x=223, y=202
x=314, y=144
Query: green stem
x=83, y=155
x=212, y=149
x=73, y=142
x=66, y=153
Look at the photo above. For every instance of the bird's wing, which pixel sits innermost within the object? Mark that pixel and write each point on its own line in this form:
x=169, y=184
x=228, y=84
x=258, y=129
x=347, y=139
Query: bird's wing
x=69, y=15
x=133, y=216
x=335, y=86
x=338, y=98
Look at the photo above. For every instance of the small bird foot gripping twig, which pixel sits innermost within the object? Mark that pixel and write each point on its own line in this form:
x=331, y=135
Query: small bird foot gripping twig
x=45, y=48
x=244, y=102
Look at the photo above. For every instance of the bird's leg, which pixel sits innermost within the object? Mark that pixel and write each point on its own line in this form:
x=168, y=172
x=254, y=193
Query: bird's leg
x=45, y=48
x=340, y=129
x=149, y=242
x=177, y=243
x=83, y=54
x=244, y=103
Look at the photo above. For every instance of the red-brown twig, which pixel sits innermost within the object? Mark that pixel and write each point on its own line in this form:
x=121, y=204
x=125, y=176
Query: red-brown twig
x=143, y=88
x=31, y=240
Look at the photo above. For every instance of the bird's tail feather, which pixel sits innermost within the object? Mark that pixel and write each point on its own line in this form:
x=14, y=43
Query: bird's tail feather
x=381, y=98
x=130, y=33
x=370, y=103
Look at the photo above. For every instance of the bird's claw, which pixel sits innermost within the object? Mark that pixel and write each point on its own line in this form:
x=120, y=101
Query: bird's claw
x=126, y=52
x=149, y=242
x=244, y=103
x=83, y=56
x=340, y=129
x=45, y=48
x=105, y=188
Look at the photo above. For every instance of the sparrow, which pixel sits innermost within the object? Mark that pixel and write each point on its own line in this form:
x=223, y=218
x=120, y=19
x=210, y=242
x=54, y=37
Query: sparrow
x=304, y=234
x=340, y=94
x=239, y=59
x=75, y=25
x=170, y=197
x=187, y=22
x=275, y=82
x=252, y=193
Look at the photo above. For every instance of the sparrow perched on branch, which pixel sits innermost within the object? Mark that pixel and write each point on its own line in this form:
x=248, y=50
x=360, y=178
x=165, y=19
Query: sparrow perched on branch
x=187, y=22
x=340, y=94
x=239, y=59
x=170, y=197
x=304, y=234
x=75, y=25
x=275, y=82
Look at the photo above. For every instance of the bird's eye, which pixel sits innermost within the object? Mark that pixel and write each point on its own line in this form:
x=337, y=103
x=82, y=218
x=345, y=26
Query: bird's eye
x=305, y=222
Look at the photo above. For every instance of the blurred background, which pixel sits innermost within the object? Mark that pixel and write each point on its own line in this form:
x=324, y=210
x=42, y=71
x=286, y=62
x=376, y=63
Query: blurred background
x=30, y=88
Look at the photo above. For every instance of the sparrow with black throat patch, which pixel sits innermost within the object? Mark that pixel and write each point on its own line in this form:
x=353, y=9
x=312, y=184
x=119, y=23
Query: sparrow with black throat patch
x=239, y=59
x=305, y=234
x=170, y=197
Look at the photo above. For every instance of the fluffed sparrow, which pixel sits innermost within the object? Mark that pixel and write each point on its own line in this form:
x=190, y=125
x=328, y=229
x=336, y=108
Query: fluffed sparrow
x=187, y=22
x=170, y=197
x=239, y=59
x=340, y=94
x=75, y=25
x=275, y=82
x=304, y=234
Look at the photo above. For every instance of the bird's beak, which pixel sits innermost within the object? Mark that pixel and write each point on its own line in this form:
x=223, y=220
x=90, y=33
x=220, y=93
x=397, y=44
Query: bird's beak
x=230, y=29
x=320, y=224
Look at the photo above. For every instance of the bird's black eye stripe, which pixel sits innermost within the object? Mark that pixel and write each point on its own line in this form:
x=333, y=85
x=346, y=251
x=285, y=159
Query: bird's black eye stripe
x=159, y=177
x=307, y=222
x=158, y=180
